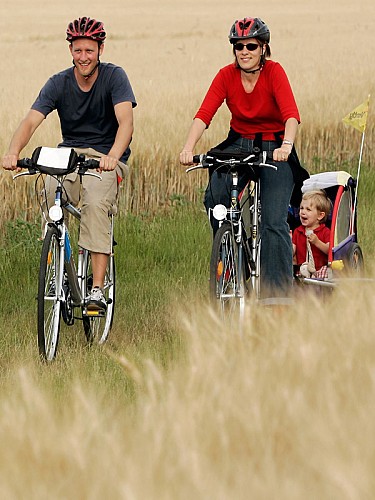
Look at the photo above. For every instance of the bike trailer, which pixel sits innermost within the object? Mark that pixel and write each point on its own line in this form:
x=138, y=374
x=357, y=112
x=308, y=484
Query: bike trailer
x=345, y=254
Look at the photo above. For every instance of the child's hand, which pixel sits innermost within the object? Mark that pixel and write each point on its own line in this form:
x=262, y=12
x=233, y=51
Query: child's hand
x=312, y=238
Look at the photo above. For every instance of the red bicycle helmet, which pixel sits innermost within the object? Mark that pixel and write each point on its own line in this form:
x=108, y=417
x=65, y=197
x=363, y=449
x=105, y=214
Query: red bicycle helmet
x=84, y=27
x=249, y=27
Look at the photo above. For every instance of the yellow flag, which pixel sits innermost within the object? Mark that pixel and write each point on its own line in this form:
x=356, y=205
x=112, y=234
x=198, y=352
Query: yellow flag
x=358, y=117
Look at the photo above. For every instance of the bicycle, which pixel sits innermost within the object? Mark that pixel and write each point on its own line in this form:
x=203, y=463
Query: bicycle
x=63, y=286
x=235, y=255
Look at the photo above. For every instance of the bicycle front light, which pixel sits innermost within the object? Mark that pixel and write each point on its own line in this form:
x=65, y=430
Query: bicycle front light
x=55, y=213
x=220, y=212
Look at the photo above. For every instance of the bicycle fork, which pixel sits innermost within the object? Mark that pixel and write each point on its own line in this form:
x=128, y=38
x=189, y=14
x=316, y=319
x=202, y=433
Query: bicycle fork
x=255, y=240
x=235, y=217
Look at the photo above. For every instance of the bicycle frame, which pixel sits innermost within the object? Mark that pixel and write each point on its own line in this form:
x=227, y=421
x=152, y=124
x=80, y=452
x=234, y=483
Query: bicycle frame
x=235, y=256
x=235, y=218
x=66, y=254
x=76, y=275
x=62, y=286
x=73, y=285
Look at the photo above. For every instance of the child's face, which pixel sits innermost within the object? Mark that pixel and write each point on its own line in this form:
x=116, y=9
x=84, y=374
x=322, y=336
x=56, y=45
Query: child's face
x=310, y=216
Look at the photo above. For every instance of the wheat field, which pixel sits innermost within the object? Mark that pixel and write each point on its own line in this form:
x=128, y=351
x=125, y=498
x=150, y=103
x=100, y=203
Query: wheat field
x=171, y=51
x=284, y=410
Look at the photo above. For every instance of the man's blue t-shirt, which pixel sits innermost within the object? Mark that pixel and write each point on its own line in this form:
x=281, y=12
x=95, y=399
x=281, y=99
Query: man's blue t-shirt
x=87, y=119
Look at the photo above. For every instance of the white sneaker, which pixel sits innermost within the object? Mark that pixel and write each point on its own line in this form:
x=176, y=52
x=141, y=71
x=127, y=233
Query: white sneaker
x=97, y=300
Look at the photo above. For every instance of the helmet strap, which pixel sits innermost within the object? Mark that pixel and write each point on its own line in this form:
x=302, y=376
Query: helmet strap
x=250, y=71
x=92, y=72
x=253, y=71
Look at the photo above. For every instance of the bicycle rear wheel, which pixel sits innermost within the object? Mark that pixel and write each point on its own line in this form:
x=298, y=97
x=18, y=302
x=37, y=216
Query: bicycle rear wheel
x=354, y=263
x=49, y=303
x=228, y=286
x=98, y=325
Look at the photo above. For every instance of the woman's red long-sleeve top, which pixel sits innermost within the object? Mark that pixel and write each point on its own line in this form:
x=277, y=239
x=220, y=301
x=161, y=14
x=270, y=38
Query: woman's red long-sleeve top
x=265, y=109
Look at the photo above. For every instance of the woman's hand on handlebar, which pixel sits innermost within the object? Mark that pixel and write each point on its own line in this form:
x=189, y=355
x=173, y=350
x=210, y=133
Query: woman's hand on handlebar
x=186, y=157
x=282, y=153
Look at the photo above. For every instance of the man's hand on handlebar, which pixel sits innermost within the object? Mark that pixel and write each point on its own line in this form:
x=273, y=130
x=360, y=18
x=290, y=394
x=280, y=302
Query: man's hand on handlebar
x=107, y=163
x=10, y=162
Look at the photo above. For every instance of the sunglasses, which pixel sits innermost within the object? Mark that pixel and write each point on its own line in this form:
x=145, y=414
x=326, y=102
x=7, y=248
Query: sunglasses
x=250, y=46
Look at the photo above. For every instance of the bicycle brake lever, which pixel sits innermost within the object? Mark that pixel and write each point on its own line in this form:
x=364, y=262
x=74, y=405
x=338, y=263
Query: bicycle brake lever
x=264, y=164
x=94, y=175
x=23, y=173
x=249, y=158
x=194, y=167
x=268, y=165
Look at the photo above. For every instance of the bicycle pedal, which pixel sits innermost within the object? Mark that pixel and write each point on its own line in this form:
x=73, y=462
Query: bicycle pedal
x=93, y=313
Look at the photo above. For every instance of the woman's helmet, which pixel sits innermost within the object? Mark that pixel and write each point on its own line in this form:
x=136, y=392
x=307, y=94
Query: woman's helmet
x=249, y=27
x=84, y=27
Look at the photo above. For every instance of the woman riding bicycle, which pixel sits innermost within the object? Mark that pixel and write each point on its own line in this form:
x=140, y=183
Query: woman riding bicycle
x=264, y=114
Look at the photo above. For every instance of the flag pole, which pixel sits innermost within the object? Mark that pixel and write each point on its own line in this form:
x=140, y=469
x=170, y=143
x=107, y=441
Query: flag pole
x=358, y=119
x=358, y=174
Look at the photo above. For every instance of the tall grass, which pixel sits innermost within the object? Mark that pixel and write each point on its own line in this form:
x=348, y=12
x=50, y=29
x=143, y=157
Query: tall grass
x=282, y=411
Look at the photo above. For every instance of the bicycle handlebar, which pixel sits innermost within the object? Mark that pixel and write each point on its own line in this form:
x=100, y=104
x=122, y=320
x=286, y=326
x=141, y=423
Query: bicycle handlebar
x=32, y=168
x=232, y=160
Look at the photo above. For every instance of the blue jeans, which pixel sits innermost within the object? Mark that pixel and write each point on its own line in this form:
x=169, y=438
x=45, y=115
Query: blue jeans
x=276, y=190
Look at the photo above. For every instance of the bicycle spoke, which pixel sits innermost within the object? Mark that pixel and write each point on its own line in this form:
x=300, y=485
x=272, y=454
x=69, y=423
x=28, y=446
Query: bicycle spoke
x=227, y=282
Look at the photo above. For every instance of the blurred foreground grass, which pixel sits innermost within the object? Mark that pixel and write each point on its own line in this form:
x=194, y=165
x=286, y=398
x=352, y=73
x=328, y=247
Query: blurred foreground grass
x=284, y=411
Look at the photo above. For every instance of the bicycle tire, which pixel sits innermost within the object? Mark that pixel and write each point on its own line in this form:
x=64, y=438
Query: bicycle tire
x=97, y=328
x=49, y=298
x=353, y=260
x=228, y=287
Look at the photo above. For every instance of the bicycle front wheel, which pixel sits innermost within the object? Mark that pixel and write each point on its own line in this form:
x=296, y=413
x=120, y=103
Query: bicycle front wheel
x=98, y=325
x=49, y=297
x=227, y=277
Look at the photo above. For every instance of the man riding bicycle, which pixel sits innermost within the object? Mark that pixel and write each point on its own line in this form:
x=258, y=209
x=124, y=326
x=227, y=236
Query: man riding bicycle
x=95, y=103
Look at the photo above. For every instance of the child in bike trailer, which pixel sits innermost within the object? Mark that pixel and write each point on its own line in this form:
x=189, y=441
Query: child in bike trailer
x=95, y=103
x=311, y=239
x=263, y=114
